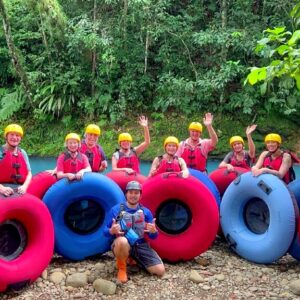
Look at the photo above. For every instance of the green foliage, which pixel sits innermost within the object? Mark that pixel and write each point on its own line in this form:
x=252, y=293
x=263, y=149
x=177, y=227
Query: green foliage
x=10, y=103
x=280, y=79
x=89, y=58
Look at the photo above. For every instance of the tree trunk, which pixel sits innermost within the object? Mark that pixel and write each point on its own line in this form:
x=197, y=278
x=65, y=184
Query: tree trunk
x=13, y=53
x=94, y=51
x=224, y=49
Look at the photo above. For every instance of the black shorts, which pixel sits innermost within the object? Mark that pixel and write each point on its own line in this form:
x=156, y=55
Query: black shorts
x=145, y=255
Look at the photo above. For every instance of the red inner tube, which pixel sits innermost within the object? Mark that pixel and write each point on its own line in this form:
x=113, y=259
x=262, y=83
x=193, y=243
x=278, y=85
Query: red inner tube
x=203, y=225
x=40, y=183
x=222, y=178
x=36, y=220
x=121, y=178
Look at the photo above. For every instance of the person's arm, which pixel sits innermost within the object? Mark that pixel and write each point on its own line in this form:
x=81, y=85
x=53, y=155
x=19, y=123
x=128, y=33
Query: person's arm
x=184, y=168
x=154, y=167
x=103, y=164
x=207, y=121
x=284, y=168
x=23, y=188
x=226, y=162
x=6, y=190
x=151, y=229
x=251, y=145
x=143, y=121
x=114, y=167
x=86, y=165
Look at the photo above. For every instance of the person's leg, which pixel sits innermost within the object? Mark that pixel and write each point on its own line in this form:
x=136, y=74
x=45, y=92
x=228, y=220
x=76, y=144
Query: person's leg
x=158, y=270
x=121, y=250
x=148, y=259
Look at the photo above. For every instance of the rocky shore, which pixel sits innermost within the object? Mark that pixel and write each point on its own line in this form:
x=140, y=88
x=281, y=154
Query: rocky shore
x=216, y=274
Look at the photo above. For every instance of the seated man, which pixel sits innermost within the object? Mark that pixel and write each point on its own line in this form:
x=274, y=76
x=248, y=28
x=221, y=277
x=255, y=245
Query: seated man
x=128, y=223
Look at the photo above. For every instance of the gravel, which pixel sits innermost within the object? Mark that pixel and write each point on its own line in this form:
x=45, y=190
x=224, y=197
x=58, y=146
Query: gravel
x=216, y=274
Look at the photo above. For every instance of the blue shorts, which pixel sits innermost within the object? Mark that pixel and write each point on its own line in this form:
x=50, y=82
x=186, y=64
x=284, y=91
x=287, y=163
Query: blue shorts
x=144, y=255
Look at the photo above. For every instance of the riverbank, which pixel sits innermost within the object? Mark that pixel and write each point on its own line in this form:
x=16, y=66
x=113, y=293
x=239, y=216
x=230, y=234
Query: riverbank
x=47, y=138
x=216, y=274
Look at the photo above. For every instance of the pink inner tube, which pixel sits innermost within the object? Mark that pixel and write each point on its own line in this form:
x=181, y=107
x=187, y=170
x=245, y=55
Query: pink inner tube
x=40, y=183
x=201, y=231
x=121, y=178
x=222, y=178
x=34, y=216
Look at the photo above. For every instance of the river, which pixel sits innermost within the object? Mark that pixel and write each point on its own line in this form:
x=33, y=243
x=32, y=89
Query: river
x=39, y=164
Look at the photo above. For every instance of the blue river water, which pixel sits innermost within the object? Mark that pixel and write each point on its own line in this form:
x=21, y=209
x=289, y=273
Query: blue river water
x=39, y=164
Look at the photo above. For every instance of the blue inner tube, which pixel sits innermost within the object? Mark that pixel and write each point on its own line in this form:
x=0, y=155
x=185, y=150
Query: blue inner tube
x=208, y=182
x=294, y=250
x=258, y=217
x=79, y=211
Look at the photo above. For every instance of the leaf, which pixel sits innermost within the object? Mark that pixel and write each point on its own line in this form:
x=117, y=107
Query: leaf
x=263, y=88
x=282, y=49
x=297, y=78
x=295, y=37
x=253, y=76
x=262, y=74
x=276, y=30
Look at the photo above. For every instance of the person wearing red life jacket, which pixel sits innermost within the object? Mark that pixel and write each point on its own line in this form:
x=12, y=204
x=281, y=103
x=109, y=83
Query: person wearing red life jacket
x=127, y=157
x=92, y=149
x=194, y=150
x=169, y=162
x=14, y=162
x=239, y=157
x=72, y=164
x=274, y=160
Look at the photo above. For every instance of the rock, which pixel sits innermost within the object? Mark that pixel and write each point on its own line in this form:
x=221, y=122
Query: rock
x=77, y=280
x=202, y=261
x=57, y=277
x=45, y=274
x=196, y=277
x=105, y=287
x=220, y=277
x=295, y=287
x=100, y=267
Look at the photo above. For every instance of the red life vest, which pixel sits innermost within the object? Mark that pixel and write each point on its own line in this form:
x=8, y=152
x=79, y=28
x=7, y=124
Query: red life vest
x=168, y=166
x=275, y=164
x=130, y=161
x=93, y=154
x=73, y=165
x=194, y=158
x=245, y=163
x=13, y=167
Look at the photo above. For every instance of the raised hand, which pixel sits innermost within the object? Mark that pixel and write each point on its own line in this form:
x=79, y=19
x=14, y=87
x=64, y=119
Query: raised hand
x=115, y=228
x=208, y=119
x=143, y=121
x=151, y=227
x=250, y=129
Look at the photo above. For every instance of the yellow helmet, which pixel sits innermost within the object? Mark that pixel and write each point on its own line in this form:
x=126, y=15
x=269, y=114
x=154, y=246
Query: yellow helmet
x=171, y=139
x=124, y=137
x=273, y=137
x=13, y=128
x=74, y=136
x=195, y=126
x=236, y=138
x=93, y=129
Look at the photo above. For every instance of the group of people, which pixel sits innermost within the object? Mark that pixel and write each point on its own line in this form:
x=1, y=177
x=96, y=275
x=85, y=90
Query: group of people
x=130, y=221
